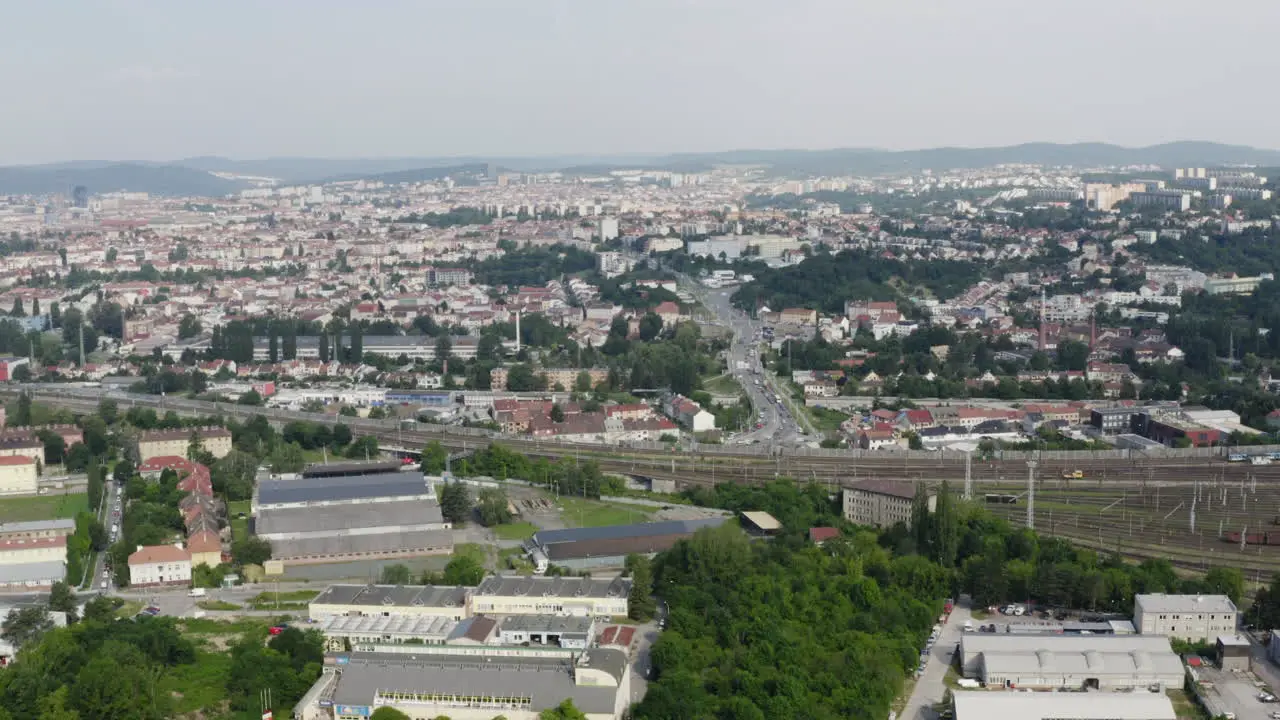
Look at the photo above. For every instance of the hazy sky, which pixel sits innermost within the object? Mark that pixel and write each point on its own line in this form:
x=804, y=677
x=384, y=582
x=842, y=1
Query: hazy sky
x=112, y=79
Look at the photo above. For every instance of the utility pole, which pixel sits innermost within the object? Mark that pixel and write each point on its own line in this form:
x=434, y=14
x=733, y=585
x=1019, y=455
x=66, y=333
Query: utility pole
x=968, y=476
x=81, y=344
x=1031, y=494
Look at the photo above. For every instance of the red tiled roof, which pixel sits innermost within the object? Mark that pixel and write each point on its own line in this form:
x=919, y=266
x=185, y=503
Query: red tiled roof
x=158, y=553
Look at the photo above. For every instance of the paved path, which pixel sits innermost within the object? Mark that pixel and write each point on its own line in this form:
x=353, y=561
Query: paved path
x=930, y=687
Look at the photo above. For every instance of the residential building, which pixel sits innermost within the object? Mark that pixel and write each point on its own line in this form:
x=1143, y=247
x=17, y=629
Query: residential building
x=1195, y=618
x=1234, y=285
x=18, y=475
x=33, y=555
x=882, y=503
x=158, y=443
x=409, y=601
x=689, y=414
x=1112, y=420
x=158, y=565
x=206, y=549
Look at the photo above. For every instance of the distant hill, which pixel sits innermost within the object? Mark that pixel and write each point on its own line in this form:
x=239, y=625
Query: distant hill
x=192, y=176
x=169, y=180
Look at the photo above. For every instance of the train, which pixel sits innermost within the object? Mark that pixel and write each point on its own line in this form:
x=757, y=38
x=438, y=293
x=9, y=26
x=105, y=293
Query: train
x=1252, y=538
x=995, y=499
x=1261, y=459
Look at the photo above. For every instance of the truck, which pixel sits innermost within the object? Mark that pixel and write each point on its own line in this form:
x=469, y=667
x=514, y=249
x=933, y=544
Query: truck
x=197, y=592
x=1072, y=475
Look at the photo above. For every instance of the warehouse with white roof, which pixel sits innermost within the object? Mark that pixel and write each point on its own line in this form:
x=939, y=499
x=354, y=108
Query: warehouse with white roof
x=1106, y=662
x=981, y=705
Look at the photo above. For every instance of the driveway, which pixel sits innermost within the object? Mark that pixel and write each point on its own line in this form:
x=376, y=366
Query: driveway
x=930, y=687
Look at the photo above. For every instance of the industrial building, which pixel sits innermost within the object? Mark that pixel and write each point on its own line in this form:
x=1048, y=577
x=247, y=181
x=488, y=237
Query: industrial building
x=583, y=548
x=882, y=503
x=429, y=682
x=1099, y=662
x=335, y=518
x=517, y=595
x=556, y=630
x=980, y=705
x=426, y=601
x=1195, y=618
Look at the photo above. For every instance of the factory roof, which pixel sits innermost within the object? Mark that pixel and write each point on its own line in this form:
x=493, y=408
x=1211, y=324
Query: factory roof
x=1160, y=603
x=1094, y=663
x=384, y=542
x=350, y=468
x=388, y=514
x=554, y=624
x=895, y=488
x=413, y=626
x=546, y=682
x=375, y=596
x=38, y=526
x=517, y=586
x=547, y=538
x=982, y=705
x=762, y=520
x=1014, y=643
x=342, y=487
x=32, y=572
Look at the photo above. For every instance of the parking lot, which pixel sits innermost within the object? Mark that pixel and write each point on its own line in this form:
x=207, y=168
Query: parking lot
x=1235, y=692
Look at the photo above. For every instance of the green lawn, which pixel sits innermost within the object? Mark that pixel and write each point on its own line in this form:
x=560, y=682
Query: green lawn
x=825, y=419
x=239, y=526
x=722, y=385
x=577, y=512
x=202, y=685
x=217, y=605
x=518, y=530
x=42, y=507
x=267, y=600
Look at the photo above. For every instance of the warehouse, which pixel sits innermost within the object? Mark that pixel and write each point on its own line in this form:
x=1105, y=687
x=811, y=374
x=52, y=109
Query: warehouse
x=461, y=687
x=565, y=632
x=442, y=601
x=978, y=705
x=585, y=597
x=336, y=518
x=585, y=548
x=1106, y=662
x=338, y=469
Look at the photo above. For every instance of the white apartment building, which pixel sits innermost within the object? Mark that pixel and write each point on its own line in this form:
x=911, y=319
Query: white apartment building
x=1197, y=618
x=154, y=565
x=18, y=475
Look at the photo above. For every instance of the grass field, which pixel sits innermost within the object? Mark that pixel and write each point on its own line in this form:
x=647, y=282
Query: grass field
x=267, y=600
x=722, y=385
x=42, y=507
x=239, y=526
x=576, y=512
x=518, y=530
x=202, y=685
x=825, y=420
x=217, y=605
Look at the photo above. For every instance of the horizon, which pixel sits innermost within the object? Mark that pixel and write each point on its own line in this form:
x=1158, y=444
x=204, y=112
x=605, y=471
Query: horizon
x=463, y=158
x=151, y=81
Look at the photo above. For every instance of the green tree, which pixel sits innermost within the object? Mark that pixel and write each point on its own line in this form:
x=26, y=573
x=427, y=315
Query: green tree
x=26, y=624
x=434, y=458
x=397, y=574
x=455, y=502
x=640, y=603
x=189, y=327
x=17, y=310
x=100, y=609
x=650, y=326
x=463, y=570
x=444, y=349
x=945, y=528
x=564, y=711
x=386, y=712
x=63, y=599
x=492, y=507
x=23, y=415
x=54, y=706
x=557, y=413
x=1227, y=581
x=288, y=458
x=123, y=470
x=251, y=551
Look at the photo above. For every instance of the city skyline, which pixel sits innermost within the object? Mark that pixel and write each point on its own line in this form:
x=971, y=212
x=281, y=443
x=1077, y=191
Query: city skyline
x=153, y=82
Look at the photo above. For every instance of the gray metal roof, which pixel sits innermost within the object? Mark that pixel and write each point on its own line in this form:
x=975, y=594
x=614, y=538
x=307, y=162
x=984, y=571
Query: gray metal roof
x=439, y=596
x=390, y=514
x=391, y=541
x=545, y=538
x=517, y=586
x=554, y=624
x=983, y=705
x=350, y=468
x=546, y=681
x=36, y=525
x=36, y=572
x=341, y=487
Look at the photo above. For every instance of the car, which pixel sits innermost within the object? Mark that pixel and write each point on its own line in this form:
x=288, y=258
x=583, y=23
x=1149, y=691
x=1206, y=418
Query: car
x=151, y=610
x=1266, y=697
x=276, y=629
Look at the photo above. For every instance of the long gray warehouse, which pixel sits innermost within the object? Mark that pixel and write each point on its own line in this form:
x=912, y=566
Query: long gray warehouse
x=1107, y=662
x=582, y=548
x=336, y=518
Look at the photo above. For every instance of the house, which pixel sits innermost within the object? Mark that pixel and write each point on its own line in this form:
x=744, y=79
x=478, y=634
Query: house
x=205, y=548
x=877, y=439
x=670, y=313
x=157, y=565
x=689, y=414
x=819, y=535
x=158, y=443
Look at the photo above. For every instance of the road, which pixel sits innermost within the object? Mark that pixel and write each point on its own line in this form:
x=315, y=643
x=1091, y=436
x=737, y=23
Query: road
x=110, y=520
x=777, y=426
x=931, y=686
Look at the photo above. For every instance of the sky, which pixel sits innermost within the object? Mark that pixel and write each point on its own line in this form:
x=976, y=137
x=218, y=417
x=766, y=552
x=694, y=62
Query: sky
x=163, y=80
